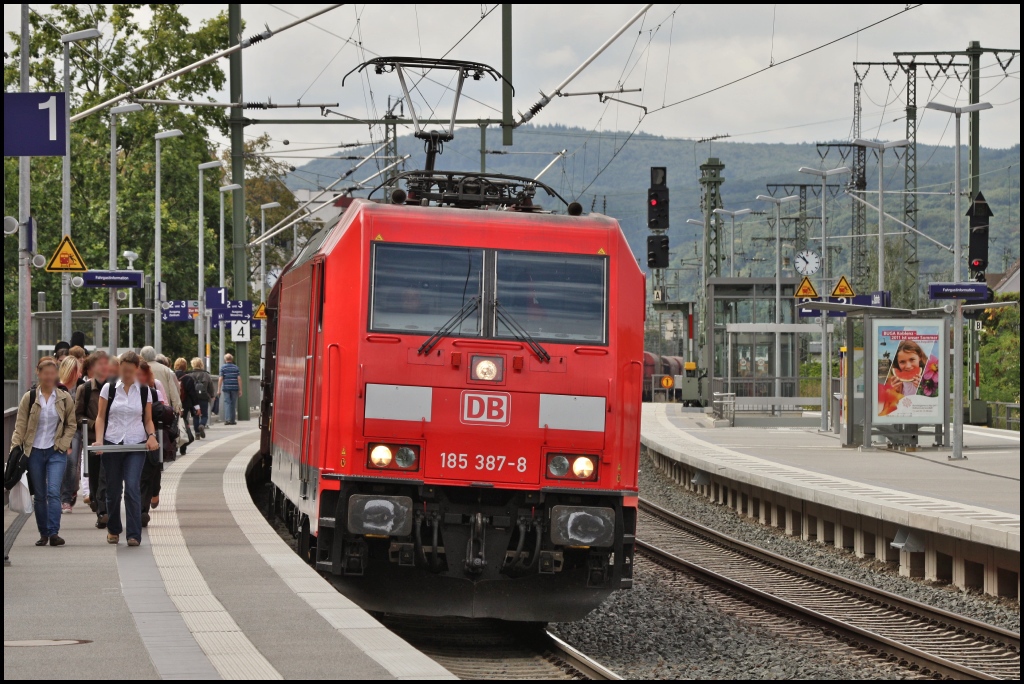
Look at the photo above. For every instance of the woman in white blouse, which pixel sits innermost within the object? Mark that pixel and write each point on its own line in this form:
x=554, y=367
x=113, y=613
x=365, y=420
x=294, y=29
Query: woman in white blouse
x=44, y=428
x=125, y=417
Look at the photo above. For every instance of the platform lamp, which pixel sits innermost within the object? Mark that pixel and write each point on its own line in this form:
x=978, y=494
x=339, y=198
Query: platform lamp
x=778, y=202
x=203, y=351
x=220, y=326
x=826, y=349
x=158, y=330
x=65, y=287
x=112, y=317
x=958, y=322
x=732, y=235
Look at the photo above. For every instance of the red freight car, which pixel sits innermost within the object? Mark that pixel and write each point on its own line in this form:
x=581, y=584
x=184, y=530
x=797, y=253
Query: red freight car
x=452, y=409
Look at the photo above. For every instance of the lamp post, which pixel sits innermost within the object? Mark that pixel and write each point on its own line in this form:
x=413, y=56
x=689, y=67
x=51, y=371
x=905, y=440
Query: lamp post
x=203, y=351
x=880, y=148
x=826, y=348
x=732, y=235
x=263, y=271
x=158, y=330
x=958, y=321
x=263, y=248
x=131, y=257
x=114, y=111
x=778, y=202
x=65, y=224
x=220, y=326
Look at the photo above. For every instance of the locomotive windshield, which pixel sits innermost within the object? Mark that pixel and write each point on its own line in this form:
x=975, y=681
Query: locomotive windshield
x=418, y=288
x=552, y=296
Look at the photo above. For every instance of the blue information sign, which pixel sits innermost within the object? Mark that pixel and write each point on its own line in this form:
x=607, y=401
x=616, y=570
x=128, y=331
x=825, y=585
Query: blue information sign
x=860, y=300
x=113, y=279
x=178, y=310
x=217, y=298
x=34, y=124
x=236, y=310
x=957, y=290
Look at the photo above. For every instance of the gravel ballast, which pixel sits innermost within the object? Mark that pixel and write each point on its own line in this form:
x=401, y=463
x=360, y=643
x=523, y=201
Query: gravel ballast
x=661, y=630
x=660, y=489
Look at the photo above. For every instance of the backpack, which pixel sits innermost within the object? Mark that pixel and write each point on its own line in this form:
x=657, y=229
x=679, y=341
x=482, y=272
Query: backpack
x=201, y=380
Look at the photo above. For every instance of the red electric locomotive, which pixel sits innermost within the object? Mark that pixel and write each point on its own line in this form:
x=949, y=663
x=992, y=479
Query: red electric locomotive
x=452, y=404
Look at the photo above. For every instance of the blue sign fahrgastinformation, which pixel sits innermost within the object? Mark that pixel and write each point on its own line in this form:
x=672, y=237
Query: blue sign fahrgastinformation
x=236, y=310
x=34, y=125
x=957, y=290
x=113, y=279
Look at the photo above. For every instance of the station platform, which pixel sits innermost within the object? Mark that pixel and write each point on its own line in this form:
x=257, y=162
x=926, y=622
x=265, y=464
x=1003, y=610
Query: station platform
x=939, y=519
x=212, y=593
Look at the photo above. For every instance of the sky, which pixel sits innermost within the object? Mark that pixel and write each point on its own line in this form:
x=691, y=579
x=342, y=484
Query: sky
x=673, y=53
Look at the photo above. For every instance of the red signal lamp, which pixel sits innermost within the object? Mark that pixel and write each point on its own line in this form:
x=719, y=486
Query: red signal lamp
x=654, y=202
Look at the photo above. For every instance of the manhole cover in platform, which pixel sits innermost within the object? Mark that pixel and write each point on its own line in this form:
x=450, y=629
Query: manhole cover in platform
x=37, y=643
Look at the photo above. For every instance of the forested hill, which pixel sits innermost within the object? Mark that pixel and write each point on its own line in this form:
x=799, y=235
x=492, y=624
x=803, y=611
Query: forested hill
x=618, y=186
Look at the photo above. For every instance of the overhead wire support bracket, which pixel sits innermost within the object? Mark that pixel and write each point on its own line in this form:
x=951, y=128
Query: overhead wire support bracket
x=608, y=98
x=602, y=93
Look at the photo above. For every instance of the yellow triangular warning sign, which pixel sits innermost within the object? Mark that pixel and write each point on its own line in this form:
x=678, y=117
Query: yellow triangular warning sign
x=66, y=259
x=601, y=251
x=806, y=290
x=379, y=238
x=842, y=288
x=261, y=312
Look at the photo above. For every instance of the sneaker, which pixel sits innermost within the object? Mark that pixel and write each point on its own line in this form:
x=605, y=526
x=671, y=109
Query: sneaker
x=65, y=508
x=55, y=540
x=182, y=449
x=145, y=519
x=87, y=500
x=134, y=542
x=43, y=541
x=201, y=431
x=154, y=502
x=113, y=538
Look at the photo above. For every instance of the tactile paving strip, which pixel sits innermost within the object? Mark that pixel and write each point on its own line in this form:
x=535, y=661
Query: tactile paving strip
x=389, y=650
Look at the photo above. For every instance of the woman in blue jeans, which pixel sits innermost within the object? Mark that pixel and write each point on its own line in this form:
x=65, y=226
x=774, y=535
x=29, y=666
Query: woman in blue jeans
x=44, y=428
x=125, y=417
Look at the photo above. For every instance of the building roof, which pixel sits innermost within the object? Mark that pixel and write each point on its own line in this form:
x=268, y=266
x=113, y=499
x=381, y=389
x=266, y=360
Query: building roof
x=1010, y=282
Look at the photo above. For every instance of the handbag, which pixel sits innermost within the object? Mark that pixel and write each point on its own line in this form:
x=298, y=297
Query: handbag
x=17, y=465
x=21, y=498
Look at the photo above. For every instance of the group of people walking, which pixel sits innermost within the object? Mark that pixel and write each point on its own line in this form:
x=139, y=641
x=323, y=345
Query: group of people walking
x=122, y=401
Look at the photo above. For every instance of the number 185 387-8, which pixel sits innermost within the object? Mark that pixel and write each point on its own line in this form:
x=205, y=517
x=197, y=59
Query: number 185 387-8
x=482, y=462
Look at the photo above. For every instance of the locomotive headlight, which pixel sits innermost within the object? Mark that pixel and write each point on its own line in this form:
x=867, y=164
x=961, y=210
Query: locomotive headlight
x=583, y=467
x=487, y=368
x=381, y=456
x=405, y=457
x=558, y=465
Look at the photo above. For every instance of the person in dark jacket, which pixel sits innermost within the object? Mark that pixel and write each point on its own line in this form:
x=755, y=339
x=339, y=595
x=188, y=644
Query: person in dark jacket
x=204, y=392
x=97, y=371
x=189, y=396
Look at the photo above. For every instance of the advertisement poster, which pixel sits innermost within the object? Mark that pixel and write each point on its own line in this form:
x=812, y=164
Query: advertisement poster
x=911, y=371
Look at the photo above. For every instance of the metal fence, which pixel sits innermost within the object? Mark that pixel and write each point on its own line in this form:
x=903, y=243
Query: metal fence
x=754, y=394
x=1004, y=415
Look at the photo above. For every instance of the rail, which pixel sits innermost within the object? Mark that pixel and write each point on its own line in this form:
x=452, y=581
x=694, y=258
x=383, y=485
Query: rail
x=935, y=640
x=1004, y=415
x=723, y=407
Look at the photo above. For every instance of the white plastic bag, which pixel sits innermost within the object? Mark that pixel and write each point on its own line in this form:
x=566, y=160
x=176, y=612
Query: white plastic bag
x=21, y=500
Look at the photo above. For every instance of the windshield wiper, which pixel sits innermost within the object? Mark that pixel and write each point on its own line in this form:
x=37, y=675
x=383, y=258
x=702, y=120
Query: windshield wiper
x=462, y=314
x=520, y=333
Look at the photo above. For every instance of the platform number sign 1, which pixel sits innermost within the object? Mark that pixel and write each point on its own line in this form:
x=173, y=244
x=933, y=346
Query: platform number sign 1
x=34, y=125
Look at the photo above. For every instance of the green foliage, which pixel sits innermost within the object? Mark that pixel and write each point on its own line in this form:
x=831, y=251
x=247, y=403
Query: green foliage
x=1000, y=352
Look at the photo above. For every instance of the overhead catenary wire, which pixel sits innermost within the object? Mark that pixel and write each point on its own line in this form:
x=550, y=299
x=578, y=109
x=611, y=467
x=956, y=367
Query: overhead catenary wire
x=195, y=65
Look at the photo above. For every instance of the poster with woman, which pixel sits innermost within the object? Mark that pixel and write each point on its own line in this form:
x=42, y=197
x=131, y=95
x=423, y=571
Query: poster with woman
x=911, y=371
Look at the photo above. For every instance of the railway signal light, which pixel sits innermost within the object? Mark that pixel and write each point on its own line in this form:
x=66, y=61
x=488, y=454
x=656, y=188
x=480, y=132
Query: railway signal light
x=979, y=214
x=657, y=200
x=657, y=251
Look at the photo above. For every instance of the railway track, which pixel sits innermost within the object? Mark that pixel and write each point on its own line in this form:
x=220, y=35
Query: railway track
x=931, y=640
x=491, y=649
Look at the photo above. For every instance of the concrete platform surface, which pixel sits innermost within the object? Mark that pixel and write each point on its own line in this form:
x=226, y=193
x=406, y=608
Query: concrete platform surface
x=212, y=593
x=977, y=499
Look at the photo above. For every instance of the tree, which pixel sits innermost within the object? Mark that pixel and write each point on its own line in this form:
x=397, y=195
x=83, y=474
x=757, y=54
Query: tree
x=101, y=69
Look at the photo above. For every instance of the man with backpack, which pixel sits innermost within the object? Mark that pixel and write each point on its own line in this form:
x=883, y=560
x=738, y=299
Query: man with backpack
x=203, y=385
x=97, y=371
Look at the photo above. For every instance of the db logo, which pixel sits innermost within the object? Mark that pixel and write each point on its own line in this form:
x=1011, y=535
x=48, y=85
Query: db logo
x=491, y=408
